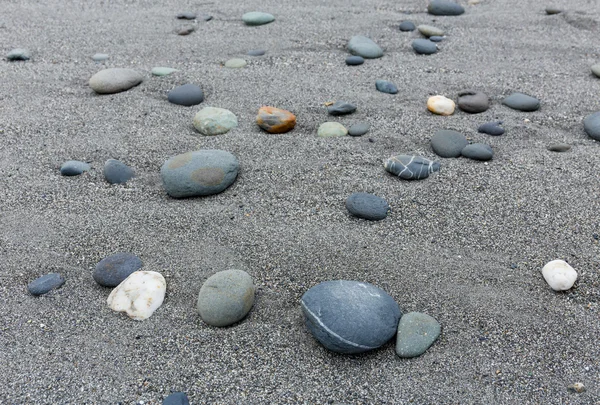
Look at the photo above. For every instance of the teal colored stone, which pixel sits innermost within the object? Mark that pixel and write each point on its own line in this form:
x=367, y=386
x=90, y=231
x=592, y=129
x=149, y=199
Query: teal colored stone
x=235, y=63
x=226, y=297
x=214, y=121
x=257, y=18
x=416, y=333
x=162, y=71
x=331, y=130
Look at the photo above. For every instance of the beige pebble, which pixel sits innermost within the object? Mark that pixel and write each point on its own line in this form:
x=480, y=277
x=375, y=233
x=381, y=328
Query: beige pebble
x=440, y=105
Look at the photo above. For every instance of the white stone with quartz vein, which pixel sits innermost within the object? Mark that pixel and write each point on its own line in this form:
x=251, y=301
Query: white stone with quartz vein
x=139, y=295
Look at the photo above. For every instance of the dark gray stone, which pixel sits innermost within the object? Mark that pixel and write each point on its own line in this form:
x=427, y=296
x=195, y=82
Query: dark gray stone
x=478, y=151
x=18, y=54
x=411, y=167
x=491, y=128
x=365, y=47
x=176, y=398
x=407, y=26
x=185, y=30
x=436, y=38
x=350, y=316
x=591, y=125
x=355, y=60
x=45, y=283
x=359, y=129
x=74, y=168
x=257, y=52
x=444, y=7
x=473, y=101
x=447, y=143
x=386, y=87
x=416, y=333
x=341, y=108
x=206, y=17
x=559, y=147
x=186, y=16
x=521, y=102
x=424, y=46
x=553, y=10
x=226, y=297
x=112, y=270
x=187, y=95
x=367, y=206
x=116, y=172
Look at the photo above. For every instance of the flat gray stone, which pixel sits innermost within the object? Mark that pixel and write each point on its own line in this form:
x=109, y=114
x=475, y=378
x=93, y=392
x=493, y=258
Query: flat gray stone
x=45, y=284
x=596, y=69
x=416, y=333
x=430, y=30
x=491, y=128
x=186, y=15
x=99, y=57
x=559, y=147
x=116, y=172
x=359, y=129
x=447, y=143
x=386, y=87
x=591, y=125
x=176, y=398
x=226, y=297
x=478, y=151
x=367, y=206
x=341, y=108
x=424, y=46
x=162, y=71
x=257, y=52
x=473, y=102
x=114, y=269
x=365, y=47
x=18, y=54
x=187, y=95
x=74, y=168
x=115, y=80
x=255, y=18
x=522, y=102
x=407, y=26
x=354, y=60
x=444, y=7
x=411, y=167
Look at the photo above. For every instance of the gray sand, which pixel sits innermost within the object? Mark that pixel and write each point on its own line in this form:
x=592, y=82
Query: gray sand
x=465, y=246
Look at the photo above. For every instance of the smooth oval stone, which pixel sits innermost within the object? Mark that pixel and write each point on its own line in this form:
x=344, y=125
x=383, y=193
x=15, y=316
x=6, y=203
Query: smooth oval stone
x=257, y=18
x=596, y=69
x=444, y=7
x=115, y=80
x=214, y=121
x=440, y=105
x=331, y=130
x=473, y=101
x=559, y=147
x=447, y=143
x=116, y=172
x=430, y=30
x=478, y=151
x=99, y=57
x=365, y=47
x=187, y=95
x=341, y=108
x=424, y=46
x=350, y=316
x=275, y=120
x=112, y=270
x=139, y=295
x=162, y=71
x=235, y=63
x=411, y=167
x=359, y=129
x=18, y=54
x=407, y=26
x=226, y=297
x=206, y=17
x=187, y=15
x=45, y=284
x=367, y=206
x=559, y=275
x=199, y=173
x=386, y=87
x=185, y=30
x=74, y=168
x=176, y=398
x=553, y=10
x=257, y=52
x=416, y=333
x=591, y=125
x=521, y=102
x=491, y=128
x=354, y=60
x=436, y=38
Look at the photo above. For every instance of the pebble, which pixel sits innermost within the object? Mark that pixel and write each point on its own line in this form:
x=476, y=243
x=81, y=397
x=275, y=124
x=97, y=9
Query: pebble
x=424, y=46
x=596, y=69
x=214, y=121
x=206, y=17
x=199, y=173
x=331, y=130
x=117, y=172
x=176, y=398
x=112, y=270
x=99, y=57
x=591, y=125
x=257, y=18
x=430, y=30
x=576, y=387
x=447, y=143
x=350, y=316
x=440, y=105
x=139, y=295
x=473, y=101
x=478, y=151
x=407, y=26
x=275, y=120
x=491, y=128
x=553, y=10
x=521, y=102
x=257, y=52
x=386, y=87
x=74, y=168
x=444, y=7
x=416, y=333
x=411, y=167
x=559, y=275
x=226, y=297
x=235, y=63
x=18, y=54
x=365, y=47
x=436, y=38
x=341, y=108
x=185, y=30
x=162, y=71
x=359, y=129
x=354, y=60
x=186, y=16
x=367, y=206
x=559, y=147
x=115, y=80
x=45, y=284
x=187, y=95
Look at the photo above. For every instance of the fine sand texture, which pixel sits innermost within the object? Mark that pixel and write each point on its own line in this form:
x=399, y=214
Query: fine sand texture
x=465, y=246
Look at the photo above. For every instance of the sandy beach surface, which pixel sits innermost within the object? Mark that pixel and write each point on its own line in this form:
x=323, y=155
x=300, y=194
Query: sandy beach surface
x=465, y=246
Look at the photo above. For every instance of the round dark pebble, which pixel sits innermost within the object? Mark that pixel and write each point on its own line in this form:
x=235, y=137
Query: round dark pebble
x=478, y=151
x=257, y=52
x=74, y=168
x=187, y=95
x=359, y=129
x=424, y=46
x=491, y=128
x=355, y=60
x=447, y=143
x=112, y=270
x=367, y=206
x=341, y=108
x=44, y=284
x=407, y=26
x=559, y=147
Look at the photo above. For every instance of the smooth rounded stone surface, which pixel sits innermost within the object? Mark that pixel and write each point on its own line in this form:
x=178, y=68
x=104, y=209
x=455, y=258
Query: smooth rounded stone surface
x=559, y=147
x=112, y=270
x=199, y=173
x=447, y=143
x=430, y=31
x=176, y=398
x=444, y=7
x=45, y=284
x=576, y=387
x=411, y=167
x=359, y=129
x=550, y=10
x=214, y=121
x=226, y=297
x=331, y=130
x=440, y=105
x=362, y=46
x=407, y=26
x=478, y=151
x=436, y=38
x=386, y=87
x=235, y=63
x=116, y=172
x=416, y=333
x=185, y=30
x=162, y=71
x=521, y=102
x=187, y=95
x=257, y=52
x=99, y=57
x=354, y=60
x=491, y=128
x=115, y=80
x=473, y=101
x=74, y=168
x=18, y=54
x=591, y=125
x=206, y=17
x=257, y=18
x=424, y=46
x=139, y=295
x=341, y=108
x=188, y=15
x=367, y=206
x=275, y=120
x=350, y=316
x=596, y=69
x=559, y=275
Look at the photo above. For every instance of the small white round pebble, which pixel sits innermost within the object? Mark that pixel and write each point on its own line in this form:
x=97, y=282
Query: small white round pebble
x=440, y=105
x=559, y=275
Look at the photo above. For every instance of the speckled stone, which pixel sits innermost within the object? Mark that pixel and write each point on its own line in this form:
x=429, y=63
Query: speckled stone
x=411, y=167
x=365, y=47
x=214, y=121
x=447, y=143
x=559, y=147
x=478, y=151
x=416, y=333
x=491, y=128
x=386, y=87
x=407, y=26
x=114, y=80
x=45, y=284
x=424, y=46
x=331, y=130
x=444, y=7
x=255, y=18
x=74, y=168
x=116, y=172
x=359, y=129
x=367, y=206
x=112, y=270
x=591, y=125
x=522, y=102
x=226, y=297
x=354, y=60
x=341, y=108
x=186, y=95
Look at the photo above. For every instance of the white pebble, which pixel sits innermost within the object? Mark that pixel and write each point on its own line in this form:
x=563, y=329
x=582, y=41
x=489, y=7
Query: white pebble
x=139, y=295
x=440, y=105
x=559, y=275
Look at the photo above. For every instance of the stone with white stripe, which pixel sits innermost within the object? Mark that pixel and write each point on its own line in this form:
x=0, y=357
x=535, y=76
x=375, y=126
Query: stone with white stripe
x=411, y=167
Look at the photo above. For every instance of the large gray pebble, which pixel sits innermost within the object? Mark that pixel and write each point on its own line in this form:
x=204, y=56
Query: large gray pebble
x=411, y=167
x=522, y=102
x=424, y=46
x=473, y=101
x=115, y=80
x=416, y=333
x=117, y=172
x=447, y=143
x=74, y=168
x=478, y=151
x=365, y=47
x=591, y=125
x=112, y=270
x=445, y=7
x=45, y=284
x=226, y=297
x=187, y=95
x=367, y=206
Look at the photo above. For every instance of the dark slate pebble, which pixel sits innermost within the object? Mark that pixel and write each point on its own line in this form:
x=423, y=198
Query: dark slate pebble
x=444, y=7
x=386, y=87
x=44, y=284
x=187, y=95
x=176, y=398
x=341, y=108
x=367, y=206
x=521, y=102
x=591, y=125
x=411, y=167
x=355, y=60
x=359, y=129
x=478, y=151
x=424, y=46
x=186, y=16
x=407, y=26
x=559, y=147
x=447, y=143
x=473, y=101
x=74, y=168
x=112, y=270
x=491, y=128
x=117, y=172
x=257, y=52
x=436, y=38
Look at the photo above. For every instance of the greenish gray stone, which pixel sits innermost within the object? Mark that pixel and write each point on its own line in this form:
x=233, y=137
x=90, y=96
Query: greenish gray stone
x=214, y=121
x=162, y=71
x=235, y=63
x=226, y=297
x=18, y=54
x=331, y=130
x=596, y=69
x=365, y=47
x=430, y=31
x=257, y=18
x=416, y=333
x=115, y=80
